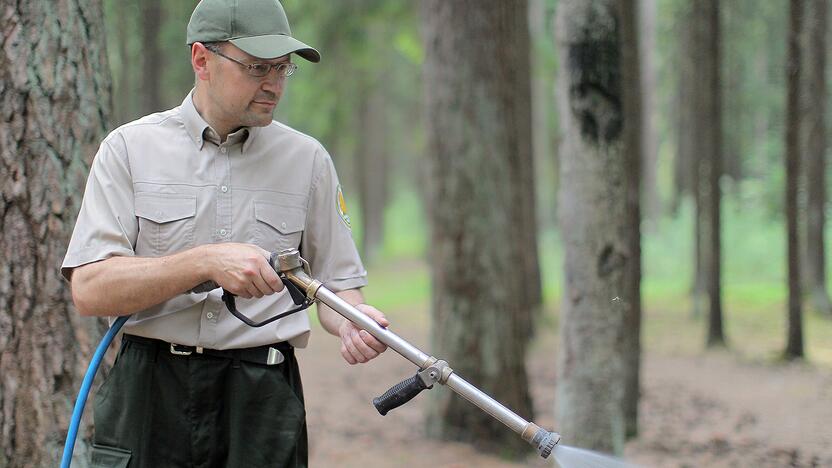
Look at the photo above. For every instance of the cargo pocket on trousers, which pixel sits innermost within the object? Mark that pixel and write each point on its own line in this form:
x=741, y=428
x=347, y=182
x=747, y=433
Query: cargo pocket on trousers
x=109, y=457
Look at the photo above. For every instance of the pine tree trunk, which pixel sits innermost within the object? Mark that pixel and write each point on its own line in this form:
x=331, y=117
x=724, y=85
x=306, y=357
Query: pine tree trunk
x=372, y=169
x=55, y=95
x=477, y=98
x=596, y=222
x=634, y=133
x=814, y=137
x=684, y=164
x=648, y=83
x=794, y=334
x=709, y=141
x=706, y=147
x=152, y=57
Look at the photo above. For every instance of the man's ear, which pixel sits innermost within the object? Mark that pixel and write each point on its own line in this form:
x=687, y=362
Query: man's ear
x=199, y=61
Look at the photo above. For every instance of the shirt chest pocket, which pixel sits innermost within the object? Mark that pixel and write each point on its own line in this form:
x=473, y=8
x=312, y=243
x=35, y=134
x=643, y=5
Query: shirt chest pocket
x=166, y=223
x=278, y=227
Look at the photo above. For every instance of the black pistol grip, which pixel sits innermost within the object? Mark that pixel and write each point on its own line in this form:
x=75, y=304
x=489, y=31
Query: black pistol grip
x=400, y=394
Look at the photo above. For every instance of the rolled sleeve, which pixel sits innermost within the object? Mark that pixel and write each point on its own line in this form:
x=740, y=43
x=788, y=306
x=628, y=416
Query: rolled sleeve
x=327, y=241
x=106, y=224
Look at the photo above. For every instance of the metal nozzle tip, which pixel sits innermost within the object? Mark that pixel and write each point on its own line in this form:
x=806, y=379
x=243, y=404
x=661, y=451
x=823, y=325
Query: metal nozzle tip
x=545, y=446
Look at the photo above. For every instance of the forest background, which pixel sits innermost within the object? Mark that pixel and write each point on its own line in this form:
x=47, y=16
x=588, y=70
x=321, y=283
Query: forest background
x=365, y=103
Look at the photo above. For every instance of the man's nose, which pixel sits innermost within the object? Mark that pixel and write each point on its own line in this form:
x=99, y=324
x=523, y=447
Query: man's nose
x=273, y=82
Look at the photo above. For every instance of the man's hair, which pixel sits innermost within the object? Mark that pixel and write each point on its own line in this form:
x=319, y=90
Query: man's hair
x=212, y=46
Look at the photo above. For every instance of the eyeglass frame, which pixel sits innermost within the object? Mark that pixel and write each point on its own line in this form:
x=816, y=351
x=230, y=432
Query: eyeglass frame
x=289, y=66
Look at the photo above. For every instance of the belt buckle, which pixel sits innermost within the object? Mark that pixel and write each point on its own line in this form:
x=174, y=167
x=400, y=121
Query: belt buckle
x=274, y=357
x=173, y=350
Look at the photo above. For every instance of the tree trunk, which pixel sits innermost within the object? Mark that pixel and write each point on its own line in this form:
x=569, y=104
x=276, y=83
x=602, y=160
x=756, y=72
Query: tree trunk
x=55, y=95
x=706, y=124
x=152, y=57
x=648, y=84
x=477, y=98
x=814, y=138
x=794, y=337
x=372, y=169
x=633, y=138
x=596, y=224
x=709, y=145
x=684, y=173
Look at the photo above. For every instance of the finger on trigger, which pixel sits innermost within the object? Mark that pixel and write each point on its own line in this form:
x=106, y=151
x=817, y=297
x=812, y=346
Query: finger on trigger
x=272, y=280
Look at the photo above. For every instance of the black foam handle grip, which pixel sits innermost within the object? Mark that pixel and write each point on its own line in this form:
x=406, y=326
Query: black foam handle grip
x=400, y=394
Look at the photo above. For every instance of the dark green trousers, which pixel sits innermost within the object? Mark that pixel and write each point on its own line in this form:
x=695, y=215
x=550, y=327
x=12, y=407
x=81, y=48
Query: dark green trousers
x=157, y=409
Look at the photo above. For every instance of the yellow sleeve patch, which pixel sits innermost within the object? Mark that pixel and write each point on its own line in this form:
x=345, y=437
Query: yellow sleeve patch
x=342, y=208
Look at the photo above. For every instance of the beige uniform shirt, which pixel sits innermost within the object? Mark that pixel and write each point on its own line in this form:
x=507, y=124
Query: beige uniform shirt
x=164, y=183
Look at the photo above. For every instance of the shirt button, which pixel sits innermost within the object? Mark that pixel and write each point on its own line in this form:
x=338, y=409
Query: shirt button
x=223, y=232
x=210, y=315
x=224, y=189
x=223, y=150
x=283, y=225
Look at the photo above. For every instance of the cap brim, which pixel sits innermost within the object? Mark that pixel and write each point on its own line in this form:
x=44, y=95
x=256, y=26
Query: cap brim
x=277, y=45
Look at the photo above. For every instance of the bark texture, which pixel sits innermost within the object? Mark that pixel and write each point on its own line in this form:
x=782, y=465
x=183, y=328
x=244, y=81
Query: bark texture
x=54, y=84
x=596, y=225
x=794, y=333
x=813, y=126
x=483, y=239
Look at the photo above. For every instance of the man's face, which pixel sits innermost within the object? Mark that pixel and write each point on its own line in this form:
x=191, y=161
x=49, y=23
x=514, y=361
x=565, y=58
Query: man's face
x=239, y=99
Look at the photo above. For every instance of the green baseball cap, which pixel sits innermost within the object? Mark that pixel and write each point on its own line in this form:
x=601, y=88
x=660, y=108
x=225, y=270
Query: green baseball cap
x=258, y=27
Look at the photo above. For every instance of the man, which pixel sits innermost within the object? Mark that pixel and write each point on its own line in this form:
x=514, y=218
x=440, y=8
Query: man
x=204, y=192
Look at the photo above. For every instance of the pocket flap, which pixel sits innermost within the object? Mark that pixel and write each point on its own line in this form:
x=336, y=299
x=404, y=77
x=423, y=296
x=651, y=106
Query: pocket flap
x=286, y=219
x=110, y=457
x=161, y=209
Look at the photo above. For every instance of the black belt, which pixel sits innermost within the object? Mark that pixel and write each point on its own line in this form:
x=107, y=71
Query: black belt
x=268, y=354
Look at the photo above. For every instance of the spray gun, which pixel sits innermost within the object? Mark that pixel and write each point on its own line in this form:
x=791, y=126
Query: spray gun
x=289, y=264
x=305, y=290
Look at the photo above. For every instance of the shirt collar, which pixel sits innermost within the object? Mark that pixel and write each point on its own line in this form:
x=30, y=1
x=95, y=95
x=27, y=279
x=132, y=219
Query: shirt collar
x=199, y=130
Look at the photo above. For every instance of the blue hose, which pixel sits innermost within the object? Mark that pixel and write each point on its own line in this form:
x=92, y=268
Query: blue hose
x=72, y=433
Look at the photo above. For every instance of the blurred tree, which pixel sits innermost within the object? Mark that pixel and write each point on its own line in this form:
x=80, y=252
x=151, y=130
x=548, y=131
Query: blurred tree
x=149, y=60
x=55, y=102
x=596, y=218
x=153, y=59
x=707, y=144
x=684, y=167
x=477, y=101
x=649, y=140
x=698, y=166
x=813, y=141
x=359, y=99
x=634, y=134
x=794, y=335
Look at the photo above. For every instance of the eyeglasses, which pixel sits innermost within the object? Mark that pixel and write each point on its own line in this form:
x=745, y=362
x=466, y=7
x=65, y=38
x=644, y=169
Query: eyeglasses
x=260, y=70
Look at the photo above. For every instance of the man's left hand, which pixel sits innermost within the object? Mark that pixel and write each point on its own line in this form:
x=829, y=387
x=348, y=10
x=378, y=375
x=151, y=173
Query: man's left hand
x=357, y=345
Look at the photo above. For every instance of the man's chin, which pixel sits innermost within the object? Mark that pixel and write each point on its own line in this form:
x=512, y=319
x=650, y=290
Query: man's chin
x=259, y=119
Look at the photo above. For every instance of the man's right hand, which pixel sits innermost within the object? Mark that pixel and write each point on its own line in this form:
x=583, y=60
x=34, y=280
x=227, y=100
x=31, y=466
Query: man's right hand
x=242, y=269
